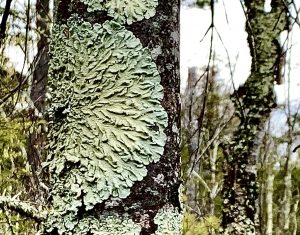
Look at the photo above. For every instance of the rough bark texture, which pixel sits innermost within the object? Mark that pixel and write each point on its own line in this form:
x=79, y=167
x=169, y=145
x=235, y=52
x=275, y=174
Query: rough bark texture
x=39, y=82
x=147, y=205
x=36, y=141
x=254, y=102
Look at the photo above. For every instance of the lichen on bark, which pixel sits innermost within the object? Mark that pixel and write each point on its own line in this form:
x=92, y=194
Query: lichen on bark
x=169, y=221
x=111, y=224
x=105, y=97
x=254, y=102
x=126, y=11
x=107, y=124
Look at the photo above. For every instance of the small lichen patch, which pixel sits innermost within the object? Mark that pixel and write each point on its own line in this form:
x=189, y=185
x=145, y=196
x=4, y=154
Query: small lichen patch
x=128, y=11
x=108, y=123
x=169, y=221
x=111, y=224
x=108, y=225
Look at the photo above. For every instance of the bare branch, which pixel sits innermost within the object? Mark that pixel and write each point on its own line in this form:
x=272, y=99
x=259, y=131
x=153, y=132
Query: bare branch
x=4, y=19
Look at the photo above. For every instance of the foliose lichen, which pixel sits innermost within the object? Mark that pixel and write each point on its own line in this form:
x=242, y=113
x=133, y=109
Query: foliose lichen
x=108, y=225
x=108, y=122
x=169, y=221
x=128, y=11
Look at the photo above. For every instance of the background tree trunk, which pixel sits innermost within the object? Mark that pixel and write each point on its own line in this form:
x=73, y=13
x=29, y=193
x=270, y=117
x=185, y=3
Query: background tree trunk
x=114, y=130
x=36, y=140
x=254, y=102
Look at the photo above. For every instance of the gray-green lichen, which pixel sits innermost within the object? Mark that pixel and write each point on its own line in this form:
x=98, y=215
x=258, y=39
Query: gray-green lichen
x=126, y=10
x=108, y=123
x=108, y=225
x=169, y=221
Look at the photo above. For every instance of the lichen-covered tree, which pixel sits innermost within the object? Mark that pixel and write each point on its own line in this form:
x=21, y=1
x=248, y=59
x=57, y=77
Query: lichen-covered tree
x=113, y=111
x=254, y=102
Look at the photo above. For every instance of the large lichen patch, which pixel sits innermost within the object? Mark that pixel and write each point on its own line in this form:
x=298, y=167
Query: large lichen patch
x=128, y=11
x=108, y=123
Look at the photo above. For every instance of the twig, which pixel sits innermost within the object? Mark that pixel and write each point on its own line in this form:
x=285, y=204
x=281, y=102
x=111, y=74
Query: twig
x=4, y=20
x=23, y=208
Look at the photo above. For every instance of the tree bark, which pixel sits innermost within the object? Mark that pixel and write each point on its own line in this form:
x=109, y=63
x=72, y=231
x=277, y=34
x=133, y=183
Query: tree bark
x=36, y=140
x=114, y=118
x=285, y=208
x=40, y=73
x=254, y=102
x=190, y=122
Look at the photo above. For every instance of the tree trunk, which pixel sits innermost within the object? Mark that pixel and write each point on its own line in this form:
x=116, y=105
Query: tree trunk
x=190, y=121
x=36, y=140
x=269, y=183
x=254, y=102
x=285, y=208
x=269, y=200
x=114, y=118
x=40, y=73
x=294, y=217
x=214, y=183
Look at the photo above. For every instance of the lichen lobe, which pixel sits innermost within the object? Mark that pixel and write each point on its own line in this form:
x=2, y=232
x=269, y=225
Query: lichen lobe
x=111, y=126
x=126, y=11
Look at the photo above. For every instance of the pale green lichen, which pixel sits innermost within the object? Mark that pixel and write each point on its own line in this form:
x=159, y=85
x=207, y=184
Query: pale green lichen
x=108, y=225
x=169, y=221
x=108, y=123
x=125, y=10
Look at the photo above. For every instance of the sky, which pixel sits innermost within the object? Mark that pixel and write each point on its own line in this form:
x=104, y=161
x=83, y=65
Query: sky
x=16, y=53
x=194, y=24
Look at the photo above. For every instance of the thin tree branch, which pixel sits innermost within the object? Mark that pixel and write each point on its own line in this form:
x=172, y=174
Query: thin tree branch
x=295, y=149
x=23, y=208
x=4, y=20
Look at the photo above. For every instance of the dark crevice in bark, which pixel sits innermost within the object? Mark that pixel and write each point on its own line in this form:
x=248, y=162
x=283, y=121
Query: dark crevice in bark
x=68, y=8
x=62, y=11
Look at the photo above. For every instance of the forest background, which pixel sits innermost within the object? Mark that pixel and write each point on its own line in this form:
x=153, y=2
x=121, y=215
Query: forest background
x=213, y=66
